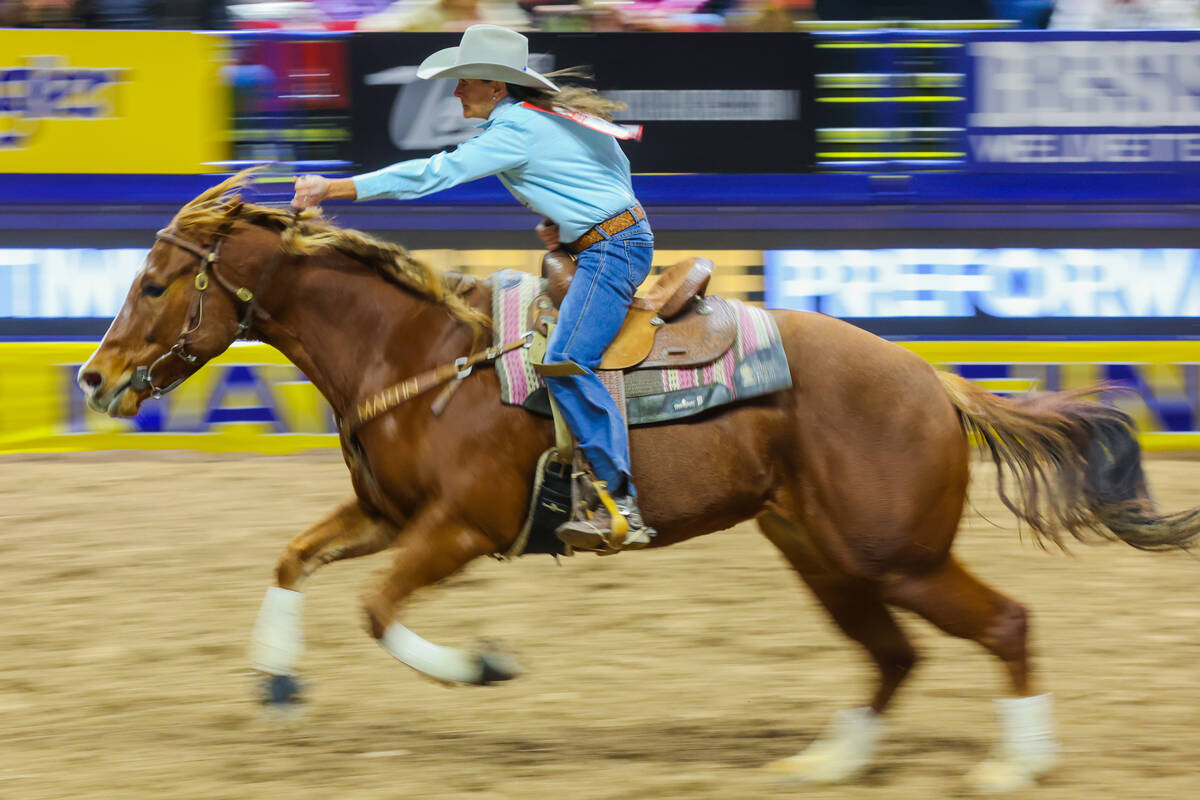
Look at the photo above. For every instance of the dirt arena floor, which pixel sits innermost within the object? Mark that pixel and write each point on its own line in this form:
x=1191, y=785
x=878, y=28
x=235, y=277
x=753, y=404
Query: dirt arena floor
x=129, y=584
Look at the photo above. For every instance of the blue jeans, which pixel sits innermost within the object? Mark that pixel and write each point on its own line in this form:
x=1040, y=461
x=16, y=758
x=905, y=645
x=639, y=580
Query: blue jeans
x=606, y=276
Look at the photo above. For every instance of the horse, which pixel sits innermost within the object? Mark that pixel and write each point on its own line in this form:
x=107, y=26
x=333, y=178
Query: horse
x=858, y=473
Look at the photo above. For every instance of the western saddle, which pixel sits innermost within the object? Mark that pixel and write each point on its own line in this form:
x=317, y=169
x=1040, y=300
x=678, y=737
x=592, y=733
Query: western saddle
x=671, y=324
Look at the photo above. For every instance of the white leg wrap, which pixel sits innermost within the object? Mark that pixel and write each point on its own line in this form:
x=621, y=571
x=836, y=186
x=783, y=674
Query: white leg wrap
x=278, y=640
x=1027, y=746
x=842, y=752
x=444, y=664
x=1028, y=728
x=448, y=665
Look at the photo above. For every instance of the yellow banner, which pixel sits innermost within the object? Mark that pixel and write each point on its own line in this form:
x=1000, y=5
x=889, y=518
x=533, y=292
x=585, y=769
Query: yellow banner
x=111, y=102
x=250, y=399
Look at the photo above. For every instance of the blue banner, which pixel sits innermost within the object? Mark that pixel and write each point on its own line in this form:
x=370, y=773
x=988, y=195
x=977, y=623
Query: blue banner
x=1073, y=292
x=1094, y=100
x=1001, y=282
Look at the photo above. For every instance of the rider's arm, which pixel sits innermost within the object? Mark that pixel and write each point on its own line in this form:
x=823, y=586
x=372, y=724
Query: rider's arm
x=341, y=189
x=500, y=148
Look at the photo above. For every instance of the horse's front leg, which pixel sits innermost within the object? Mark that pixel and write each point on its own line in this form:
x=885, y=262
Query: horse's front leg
x=278, y=640
x=433, y=547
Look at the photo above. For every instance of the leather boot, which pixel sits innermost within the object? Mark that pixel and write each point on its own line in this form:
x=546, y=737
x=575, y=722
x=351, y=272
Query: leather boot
x=596, y=533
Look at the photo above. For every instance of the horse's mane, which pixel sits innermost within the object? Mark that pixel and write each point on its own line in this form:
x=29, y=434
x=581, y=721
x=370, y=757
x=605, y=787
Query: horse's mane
x=213, y=210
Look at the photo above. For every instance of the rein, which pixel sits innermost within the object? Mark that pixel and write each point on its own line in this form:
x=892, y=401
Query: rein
x=142, y=376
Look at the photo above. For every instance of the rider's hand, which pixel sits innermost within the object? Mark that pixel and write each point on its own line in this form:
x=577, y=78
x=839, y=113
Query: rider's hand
x=310, y=191
x=547, y=231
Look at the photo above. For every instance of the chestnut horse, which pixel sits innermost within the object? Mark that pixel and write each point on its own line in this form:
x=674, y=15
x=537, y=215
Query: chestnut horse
x=857, y=474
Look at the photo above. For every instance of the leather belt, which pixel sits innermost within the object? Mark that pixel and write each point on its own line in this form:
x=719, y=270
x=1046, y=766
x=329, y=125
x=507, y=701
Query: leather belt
x=612, y=226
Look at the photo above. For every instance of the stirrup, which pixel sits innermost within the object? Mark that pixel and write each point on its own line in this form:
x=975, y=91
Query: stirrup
x=587, y=534
x=618, y=530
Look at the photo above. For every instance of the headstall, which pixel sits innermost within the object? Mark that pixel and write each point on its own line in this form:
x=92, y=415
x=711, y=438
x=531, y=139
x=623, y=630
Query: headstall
x=142, y=376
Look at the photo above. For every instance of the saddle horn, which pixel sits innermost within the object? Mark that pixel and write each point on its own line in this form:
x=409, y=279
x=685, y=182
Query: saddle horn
x=558, y=268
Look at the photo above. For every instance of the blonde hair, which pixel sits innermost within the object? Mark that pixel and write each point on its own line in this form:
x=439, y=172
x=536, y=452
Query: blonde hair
x=583, y=99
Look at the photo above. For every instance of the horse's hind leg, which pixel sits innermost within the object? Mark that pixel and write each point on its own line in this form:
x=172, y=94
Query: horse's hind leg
x=961, y=605
x=858, y=609
x=277, y=641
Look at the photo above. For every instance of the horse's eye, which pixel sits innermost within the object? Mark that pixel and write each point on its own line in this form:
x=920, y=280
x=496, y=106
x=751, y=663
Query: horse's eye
x=153, y=290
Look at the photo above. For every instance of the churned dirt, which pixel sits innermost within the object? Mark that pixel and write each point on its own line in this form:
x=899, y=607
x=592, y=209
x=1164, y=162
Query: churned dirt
x=129, y=584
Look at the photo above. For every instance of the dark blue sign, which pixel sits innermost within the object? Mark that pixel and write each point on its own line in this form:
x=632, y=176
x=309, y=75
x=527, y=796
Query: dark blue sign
x=1095, y=100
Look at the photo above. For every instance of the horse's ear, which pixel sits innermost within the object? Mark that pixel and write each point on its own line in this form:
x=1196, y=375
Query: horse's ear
x=235, y=207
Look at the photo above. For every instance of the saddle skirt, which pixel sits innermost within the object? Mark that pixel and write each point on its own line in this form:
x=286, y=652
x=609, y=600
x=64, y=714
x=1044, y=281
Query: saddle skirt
x=716, y=353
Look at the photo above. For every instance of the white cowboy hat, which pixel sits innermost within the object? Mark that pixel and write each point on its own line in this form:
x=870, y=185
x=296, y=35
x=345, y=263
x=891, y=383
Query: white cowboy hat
x=488, y=53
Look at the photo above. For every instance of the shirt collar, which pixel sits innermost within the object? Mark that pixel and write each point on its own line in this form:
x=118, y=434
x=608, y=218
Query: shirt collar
x=497, y=112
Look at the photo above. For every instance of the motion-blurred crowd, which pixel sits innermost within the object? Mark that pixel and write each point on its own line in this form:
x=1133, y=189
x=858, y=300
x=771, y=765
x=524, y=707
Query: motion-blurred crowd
x=585, y=15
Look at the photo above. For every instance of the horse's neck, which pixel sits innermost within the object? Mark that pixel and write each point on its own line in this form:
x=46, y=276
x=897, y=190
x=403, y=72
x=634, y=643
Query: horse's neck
x=353, y=333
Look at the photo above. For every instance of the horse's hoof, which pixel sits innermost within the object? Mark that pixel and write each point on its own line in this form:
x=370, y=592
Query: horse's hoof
x=842, y=754
x=823, y=762
x=280, y=692
x=999, y=777
x=496, y=666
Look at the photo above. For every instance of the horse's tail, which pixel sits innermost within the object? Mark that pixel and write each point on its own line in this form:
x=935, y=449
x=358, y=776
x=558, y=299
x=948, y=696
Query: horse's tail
x=1076, y=465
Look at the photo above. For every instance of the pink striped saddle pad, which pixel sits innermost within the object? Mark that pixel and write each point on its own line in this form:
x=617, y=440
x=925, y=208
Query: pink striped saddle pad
x=754, y=365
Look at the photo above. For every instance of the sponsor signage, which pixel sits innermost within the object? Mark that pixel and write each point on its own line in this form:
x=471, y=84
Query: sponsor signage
x=66, y=282
x=1017, y=283
x=111, y=102
x=60, y=284
x=250, y=399
x=1083, y=100
x=942, y=283
x=247, y=399
x=291, y=99
x=697, y=115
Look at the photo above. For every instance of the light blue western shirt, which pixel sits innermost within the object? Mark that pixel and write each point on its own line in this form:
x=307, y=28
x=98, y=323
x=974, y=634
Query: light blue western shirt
x=570, y=173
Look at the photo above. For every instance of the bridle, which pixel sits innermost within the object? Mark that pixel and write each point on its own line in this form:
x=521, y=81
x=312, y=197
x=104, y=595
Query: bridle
x=141, y=378
x=365, y=411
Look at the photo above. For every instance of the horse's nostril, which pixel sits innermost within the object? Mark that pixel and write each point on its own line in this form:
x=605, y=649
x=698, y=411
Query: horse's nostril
x=93, y=379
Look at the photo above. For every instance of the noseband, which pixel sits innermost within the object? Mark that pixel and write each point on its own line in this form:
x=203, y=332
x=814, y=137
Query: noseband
x=141, y=378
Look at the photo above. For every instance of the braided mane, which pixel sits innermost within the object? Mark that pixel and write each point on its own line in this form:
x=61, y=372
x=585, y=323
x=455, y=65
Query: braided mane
x=214, y=209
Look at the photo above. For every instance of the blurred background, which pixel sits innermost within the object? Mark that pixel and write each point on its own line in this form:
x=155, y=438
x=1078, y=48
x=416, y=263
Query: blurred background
x=1006, y=186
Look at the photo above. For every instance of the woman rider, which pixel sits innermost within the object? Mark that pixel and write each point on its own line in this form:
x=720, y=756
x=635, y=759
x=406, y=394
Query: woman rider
x=555, y=150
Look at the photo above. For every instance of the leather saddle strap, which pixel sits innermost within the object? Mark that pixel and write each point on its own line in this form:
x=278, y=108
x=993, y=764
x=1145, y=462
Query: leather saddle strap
x=614, y=381
x=397, y=394
x=564, y=440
